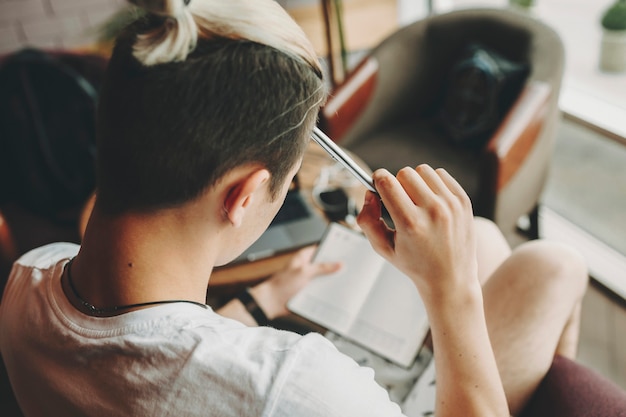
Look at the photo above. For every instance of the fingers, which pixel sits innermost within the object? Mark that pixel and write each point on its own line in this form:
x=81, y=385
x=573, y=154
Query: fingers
x=303, y=256
x=452, y=184
x=374, y=228
x=427, y=177
x=325, y=268
x=407, y=197
x=392, y=192
x=426, y=187
x=303, y=262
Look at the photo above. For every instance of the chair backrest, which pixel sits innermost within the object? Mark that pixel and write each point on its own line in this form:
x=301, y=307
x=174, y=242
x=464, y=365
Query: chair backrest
x=47, y=130
x=47, y=146
x=415, y=60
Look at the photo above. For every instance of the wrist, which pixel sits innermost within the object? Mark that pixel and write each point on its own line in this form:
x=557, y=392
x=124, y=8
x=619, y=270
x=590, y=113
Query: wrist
x=467, y=296
x=267, y=299
x=252, y=307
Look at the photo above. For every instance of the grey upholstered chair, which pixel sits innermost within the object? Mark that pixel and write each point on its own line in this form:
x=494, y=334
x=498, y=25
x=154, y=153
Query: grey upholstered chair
x=384, y=111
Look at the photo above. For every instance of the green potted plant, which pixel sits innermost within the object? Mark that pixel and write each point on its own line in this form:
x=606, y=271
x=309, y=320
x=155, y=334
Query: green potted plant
x=613, y=49
x=522, y=5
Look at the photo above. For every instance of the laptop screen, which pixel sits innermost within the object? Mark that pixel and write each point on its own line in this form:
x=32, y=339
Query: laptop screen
x=297, y=224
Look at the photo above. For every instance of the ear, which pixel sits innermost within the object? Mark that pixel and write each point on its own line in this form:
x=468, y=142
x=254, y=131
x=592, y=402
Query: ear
x=242, y=192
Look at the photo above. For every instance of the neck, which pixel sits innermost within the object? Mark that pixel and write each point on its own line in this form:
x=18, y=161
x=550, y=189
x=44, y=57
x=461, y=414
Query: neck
x=135, y=259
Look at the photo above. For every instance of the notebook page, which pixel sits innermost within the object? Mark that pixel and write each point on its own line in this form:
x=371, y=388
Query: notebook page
x=335, y=300
x=393, y=320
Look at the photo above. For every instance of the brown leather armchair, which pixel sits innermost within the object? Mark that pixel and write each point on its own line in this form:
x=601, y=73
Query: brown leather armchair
x=8, y=249
x=570, y=389
x=384, y=111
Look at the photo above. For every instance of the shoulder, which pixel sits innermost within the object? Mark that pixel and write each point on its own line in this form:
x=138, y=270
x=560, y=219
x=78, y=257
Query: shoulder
x=33, y=266
x=281, y=373
x=318, y=380
x=47, y=256
x=31, y=269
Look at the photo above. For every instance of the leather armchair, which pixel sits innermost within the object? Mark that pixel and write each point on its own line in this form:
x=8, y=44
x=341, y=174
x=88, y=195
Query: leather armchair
x=384, y=111
x=8, y=250
x=573, y=390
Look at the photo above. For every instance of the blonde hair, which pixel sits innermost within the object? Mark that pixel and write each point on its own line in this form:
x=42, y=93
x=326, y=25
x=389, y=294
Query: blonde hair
x=261, y=21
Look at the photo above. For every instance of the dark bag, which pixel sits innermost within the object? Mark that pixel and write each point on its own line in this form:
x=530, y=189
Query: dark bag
x=47, y=129
x=480, y=89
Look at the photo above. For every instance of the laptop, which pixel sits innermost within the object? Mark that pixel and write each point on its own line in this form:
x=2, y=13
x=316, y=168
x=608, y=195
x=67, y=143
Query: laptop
x=296, y=225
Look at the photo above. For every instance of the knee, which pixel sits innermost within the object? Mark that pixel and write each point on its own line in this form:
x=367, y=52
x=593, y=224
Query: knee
x=486, y=227
x=556, y=265
x=488, y=233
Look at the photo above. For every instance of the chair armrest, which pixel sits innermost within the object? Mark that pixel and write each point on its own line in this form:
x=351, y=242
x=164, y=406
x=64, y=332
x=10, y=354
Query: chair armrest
x=573, y=390
x=514, y=139
x=8, y=248
x=348, y=100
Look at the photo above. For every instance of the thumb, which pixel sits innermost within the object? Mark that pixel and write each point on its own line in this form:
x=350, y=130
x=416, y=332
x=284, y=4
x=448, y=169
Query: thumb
x=374, y=227
x=325, y=268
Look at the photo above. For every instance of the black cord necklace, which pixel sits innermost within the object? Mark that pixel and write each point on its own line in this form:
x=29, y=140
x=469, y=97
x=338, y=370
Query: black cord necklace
x=110, y=310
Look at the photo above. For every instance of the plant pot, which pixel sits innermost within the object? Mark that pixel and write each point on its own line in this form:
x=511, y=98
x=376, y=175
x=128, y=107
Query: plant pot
x=613, y=51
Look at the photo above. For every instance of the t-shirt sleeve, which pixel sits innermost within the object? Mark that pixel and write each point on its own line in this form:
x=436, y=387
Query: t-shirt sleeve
x=321, y=381
x=48, y=255
x=27, y=270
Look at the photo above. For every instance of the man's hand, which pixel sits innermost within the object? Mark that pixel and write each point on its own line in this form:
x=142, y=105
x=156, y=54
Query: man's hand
x=272, y=294
x=433, y=241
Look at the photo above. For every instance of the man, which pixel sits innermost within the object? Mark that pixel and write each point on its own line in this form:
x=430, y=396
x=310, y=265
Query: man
x=204, y=116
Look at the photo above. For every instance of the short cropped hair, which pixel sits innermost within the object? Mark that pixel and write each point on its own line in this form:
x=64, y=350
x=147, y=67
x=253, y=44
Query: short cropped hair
x=175, y=115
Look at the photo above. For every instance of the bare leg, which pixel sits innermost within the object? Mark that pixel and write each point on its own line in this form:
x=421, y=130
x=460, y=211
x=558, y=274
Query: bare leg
x=491, y=248
x=532, y=298
x=532, y=306
x=532, y=303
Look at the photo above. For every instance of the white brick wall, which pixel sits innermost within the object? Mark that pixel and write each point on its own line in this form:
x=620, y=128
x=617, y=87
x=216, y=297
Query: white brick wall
x=63, y=23
x=52, y=23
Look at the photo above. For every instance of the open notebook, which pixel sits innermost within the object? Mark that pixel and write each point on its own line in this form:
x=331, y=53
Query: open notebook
x=368, y=301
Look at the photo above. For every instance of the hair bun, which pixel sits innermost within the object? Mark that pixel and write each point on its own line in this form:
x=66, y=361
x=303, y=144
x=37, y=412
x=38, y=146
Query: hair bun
x=261, y=21
x=171, y=41
x=162, y=7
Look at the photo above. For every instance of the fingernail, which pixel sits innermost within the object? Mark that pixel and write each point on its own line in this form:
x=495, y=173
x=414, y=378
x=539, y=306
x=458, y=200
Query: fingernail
x=369, y=197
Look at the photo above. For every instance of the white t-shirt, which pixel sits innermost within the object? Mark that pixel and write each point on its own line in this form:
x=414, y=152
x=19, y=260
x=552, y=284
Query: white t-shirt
x=169, y=360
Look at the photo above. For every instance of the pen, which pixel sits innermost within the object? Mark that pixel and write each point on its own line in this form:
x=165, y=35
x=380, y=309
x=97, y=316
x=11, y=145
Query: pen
x=340, y=156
